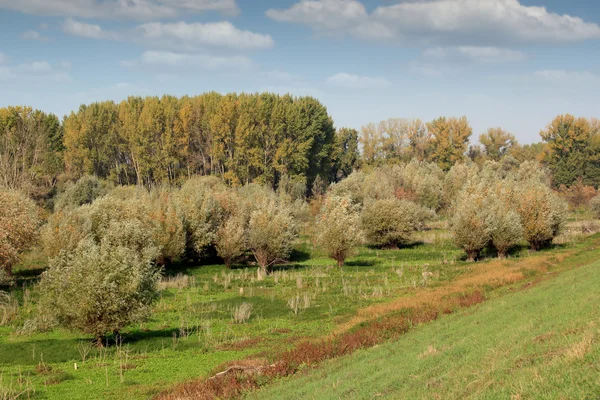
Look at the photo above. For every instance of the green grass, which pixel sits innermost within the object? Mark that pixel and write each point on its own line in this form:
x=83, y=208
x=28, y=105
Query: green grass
x=191, y=332
x=539, y=343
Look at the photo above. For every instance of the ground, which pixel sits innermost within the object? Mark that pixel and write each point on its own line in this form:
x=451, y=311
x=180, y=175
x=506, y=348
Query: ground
x=192, y=333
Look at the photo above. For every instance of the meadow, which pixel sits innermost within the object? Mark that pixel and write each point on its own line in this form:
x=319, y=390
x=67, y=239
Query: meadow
x=209, y=316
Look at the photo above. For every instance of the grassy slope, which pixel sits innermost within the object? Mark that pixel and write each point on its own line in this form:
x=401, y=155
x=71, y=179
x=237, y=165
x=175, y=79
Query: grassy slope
x=542, y=342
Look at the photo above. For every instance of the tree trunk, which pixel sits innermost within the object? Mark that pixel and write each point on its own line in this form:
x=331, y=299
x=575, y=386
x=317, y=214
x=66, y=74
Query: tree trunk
x=472, y=255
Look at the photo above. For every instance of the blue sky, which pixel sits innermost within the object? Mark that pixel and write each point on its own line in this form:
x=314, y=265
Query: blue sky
x=509, y=63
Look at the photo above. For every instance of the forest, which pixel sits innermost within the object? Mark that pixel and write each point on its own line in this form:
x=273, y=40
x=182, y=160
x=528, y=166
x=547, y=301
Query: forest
x=239, y=228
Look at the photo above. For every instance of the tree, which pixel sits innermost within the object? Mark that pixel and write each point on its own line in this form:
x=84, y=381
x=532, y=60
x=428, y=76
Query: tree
x=419, y=139
x=338, y=228
x=468, y=223
x=371, y=139
x=497, y=143
x=392, y=222
x=231, y=241
x=84, y=191
x=568, y=139
x=450, y=137
x=99, y=289
x=542, y=212
x=595, y=205
x=271, y=233
x=347, y=155
x=30, y=150
x=503, y=221
x=19, y=223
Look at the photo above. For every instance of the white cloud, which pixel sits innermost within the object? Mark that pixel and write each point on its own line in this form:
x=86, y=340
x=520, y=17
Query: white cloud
x=65, y=64
x=323, y=15
x=278, y=75
x=2, y=58
x=566, y=76
x=35, y=69
x=33, y=35
x=201, y=61
x=351, y=81
x=76, y=28
x=123, y=9
x=221, y=34
x=472, y=22
x=478, y=54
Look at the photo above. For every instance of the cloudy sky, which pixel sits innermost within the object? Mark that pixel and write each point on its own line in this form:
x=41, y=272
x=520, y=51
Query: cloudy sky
x=509, y=63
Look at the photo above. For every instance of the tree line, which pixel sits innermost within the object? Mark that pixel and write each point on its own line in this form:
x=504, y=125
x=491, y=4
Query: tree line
x=262, y=138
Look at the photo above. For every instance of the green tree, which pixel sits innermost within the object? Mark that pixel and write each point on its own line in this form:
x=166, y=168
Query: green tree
x=497, y=143
x=118, y=289
x=568, y=139
x=19, y=223
x=450, y=137
x=338, y=228
x=347, y=155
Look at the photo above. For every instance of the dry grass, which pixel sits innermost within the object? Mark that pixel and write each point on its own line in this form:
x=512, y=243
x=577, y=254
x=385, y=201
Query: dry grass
x=241, y=314
x=9, y=308
x=179, y=281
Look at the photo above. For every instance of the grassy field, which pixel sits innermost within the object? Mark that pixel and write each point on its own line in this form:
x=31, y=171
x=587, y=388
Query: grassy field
x=193, y=331
x=542, y=342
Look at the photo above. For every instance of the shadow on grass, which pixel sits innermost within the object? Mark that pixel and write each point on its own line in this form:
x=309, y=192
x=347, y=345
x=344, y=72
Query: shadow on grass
x=405, y=246
x=361, y=262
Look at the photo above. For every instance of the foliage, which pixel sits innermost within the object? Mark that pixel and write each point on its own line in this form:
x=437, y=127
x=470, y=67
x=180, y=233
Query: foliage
x=595, y=205
x=19, y=223
x=543, y=213
x=497, y=143
x=338, y=228
x=468, y=222
x=241, y=138
x=84, y=191
x=230, y=241
x=99, y=289
x=64, y=230
x=347, y=154
x=30, y=149
x=572, y=151
x=503, y=221
x=449, y=140
x=202, y=213
x=271, y=233
x=392, y=222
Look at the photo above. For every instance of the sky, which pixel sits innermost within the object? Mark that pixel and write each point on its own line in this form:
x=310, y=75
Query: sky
x=507, y=63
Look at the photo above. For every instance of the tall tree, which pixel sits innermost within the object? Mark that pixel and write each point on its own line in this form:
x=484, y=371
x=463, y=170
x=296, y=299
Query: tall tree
x=347, y=155
x=496, y=143
x=450, y=137
x=568, y=139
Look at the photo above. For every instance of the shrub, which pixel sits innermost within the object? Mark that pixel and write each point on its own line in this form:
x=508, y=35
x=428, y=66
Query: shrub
x=595, y=205
x=84, y=191
x=504, y=223
x=19, y=223
x=425, y=180
x=202, y=213
x=468, y=223
x=351, y=187
x=99, y=289
x=542, y=212
x=338, y=228
x=166, y=226
x=231, y=241
x=392, y=222
x=271, y=233
x=64, y=230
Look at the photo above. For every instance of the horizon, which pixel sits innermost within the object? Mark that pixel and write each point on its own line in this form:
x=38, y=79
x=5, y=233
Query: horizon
x=507, y=63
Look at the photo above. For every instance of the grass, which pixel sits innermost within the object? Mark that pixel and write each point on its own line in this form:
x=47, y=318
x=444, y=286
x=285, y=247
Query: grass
x=542, y=342
x=209, y=316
